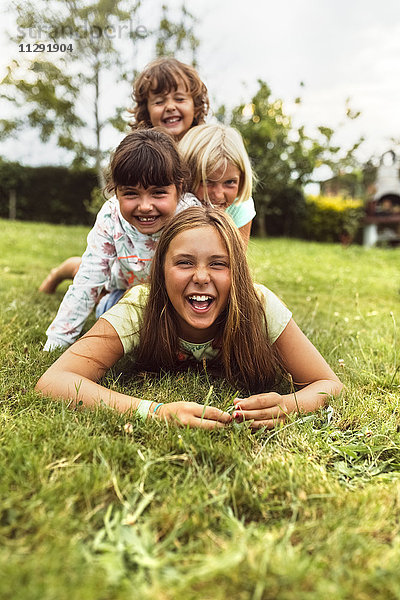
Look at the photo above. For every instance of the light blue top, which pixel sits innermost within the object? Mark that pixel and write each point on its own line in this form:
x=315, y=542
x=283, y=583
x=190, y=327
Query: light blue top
x=242, y=213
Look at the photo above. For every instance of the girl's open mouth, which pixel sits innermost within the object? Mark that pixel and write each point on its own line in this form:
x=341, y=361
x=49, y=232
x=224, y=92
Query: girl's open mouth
x=200, y=302
x=172, y=120
x=145, y=220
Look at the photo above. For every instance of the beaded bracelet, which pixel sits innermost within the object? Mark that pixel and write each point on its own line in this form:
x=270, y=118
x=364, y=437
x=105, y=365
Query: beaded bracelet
x=143, y=408
x=157, y=407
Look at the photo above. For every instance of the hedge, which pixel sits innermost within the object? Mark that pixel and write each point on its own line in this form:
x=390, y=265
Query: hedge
x=61, y=195
x=49, y=194
x=331, y=218
x=319, y=218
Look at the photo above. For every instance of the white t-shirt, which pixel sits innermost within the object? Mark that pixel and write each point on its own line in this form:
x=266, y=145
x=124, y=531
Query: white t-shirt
x=125, y=317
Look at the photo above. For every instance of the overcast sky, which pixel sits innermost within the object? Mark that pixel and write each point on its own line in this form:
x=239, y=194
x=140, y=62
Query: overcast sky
x=339, y=49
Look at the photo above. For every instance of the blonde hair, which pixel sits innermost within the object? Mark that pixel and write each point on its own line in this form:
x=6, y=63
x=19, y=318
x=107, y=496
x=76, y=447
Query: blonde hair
x=207, y=148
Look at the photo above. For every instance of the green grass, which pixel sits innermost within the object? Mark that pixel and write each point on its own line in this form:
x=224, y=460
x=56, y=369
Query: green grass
x=309, y=511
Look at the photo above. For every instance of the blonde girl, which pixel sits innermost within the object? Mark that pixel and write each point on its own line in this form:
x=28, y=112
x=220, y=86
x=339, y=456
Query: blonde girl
x=221, y=171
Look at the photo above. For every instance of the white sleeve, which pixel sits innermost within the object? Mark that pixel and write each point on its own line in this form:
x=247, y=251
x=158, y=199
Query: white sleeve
x=126, y=316
x=92, y=277
x=277, y=313
x=186, y=201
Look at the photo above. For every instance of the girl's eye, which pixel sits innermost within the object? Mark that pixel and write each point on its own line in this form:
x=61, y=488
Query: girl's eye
x=129, y=194
x=159, y=192
x=219, y=264
x=231, y=182
x=184, y=263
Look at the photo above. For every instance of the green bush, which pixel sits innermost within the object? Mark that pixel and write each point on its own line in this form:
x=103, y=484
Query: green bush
x=48, y=194
x=280, y=214
x=330, y=218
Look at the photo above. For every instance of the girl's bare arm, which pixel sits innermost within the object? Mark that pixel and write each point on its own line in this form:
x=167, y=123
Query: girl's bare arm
x=245, y=232
x=309, y=371
x=75, y=374
x=308, y=368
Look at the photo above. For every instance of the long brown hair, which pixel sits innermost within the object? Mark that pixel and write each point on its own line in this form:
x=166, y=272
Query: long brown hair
x=246, y=354
x=160, y=77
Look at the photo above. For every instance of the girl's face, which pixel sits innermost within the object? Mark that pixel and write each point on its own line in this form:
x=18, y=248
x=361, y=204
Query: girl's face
x=173, y=110
x=198, y=281
x=147, y=209
x=222, y=186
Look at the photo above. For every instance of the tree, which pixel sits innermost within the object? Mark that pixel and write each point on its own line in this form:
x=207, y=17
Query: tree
x=61, y=93
x=180, y=36
x=48, y=89
x=284, y=159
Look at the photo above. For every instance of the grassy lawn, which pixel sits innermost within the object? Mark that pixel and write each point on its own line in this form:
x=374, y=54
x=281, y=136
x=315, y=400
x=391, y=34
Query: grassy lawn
x=92, y=510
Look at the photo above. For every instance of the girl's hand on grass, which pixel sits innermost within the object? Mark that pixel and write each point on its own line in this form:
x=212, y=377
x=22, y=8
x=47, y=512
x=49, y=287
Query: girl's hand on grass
x=194, y=415
x=265, y=410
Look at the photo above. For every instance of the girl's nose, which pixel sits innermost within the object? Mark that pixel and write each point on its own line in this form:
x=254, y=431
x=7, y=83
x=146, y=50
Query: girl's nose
x=216, y=192
x=145, y=204
x=201, y=275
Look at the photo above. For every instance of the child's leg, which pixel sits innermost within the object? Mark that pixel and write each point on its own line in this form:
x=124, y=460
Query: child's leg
x=67, y=270
x=107, y=301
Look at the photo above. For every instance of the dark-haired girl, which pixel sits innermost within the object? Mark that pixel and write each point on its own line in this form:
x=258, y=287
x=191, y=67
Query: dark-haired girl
x=148, y=178
x=167, y=94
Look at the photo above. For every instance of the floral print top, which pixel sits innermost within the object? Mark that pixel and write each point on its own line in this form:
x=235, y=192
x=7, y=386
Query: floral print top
x=117, y=256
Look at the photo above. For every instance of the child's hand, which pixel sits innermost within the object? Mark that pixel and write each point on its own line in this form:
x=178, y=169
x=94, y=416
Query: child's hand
x=265, y=410
x=194, y=415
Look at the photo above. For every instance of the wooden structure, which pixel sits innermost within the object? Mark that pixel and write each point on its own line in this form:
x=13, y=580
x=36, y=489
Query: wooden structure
x=382, y=221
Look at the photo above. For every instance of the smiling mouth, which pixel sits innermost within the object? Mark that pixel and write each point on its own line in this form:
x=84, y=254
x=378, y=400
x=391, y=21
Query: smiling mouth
x=172, y=120
x=146, y=219
x=200, y=302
